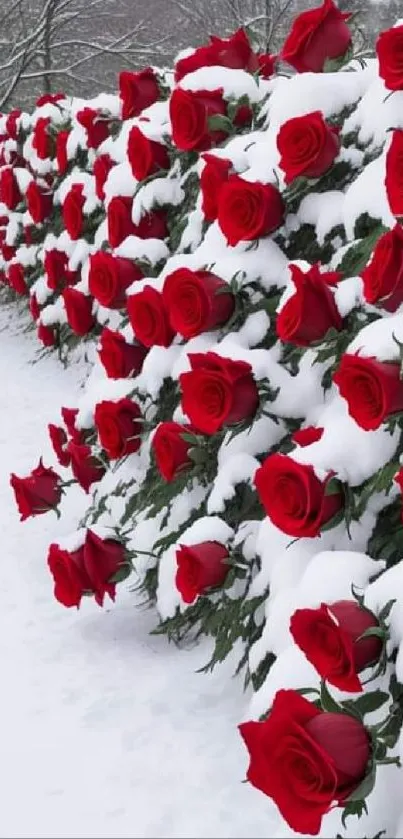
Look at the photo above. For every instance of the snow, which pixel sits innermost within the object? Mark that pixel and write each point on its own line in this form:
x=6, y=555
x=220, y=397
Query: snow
x=105, y=730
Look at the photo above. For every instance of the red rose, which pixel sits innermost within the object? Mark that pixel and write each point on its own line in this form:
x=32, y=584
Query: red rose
x=137, y=91
x=196, y=301
x=69, y=418
x=69, y=574
x=372, y=389
x=86, y=468
x=307, y=316
x=57, y=273
x=119, y=426
x=50, y=99
x=16, y=278
x=39, y=203
x=42, y=140
x=146, y=157
x=8, y=252
x=34, y=307
x=306, y=436
x=215, y=173
x=46, y=335
x=190, y=112
x=330, y=638
x=152, y=225
x=399, y=480
x=120, y=225
x=234, y=52
x=294, y=498
x=307, y=145
x=72, y=211
x=10, y=193
x=317, y=35
x=200, y=567
x=12, y=123
x=59, y=440
x=389, y=49
x=109, y=277
x=383, y=276
x=305, y=759
x=171, y=450
x=248, y=210
x=96, y=125
x=61, y=152
x=38, y=492
x=78, y=311
x=267, y=65
x=217, y=392
x=119, y=358
x=394, y=174
x=101, y=169
x=149, y=318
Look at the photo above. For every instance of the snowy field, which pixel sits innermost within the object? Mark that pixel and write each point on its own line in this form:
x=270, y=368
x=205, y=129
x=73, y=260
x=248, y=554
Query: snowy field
x=105, y=731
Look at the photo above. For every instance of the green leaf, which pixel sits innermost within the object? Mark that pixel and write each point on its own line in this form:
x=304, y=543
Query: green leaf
x=333, y=487
x=353, y=808
x=365, y=788
x=327, y=702
x=369, y=702
x=219, y=122
x=385, y=611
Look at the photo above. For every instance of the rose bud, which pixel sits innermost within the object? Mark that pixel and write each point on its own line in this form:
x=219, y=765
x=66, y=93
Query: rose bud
x=149, y=318
x=62, y=159
x=109, y=277
x=316, y=36
x=171, y=450
x=119, y=426
x=46, y=335
x=330, y=638
x=59, y=440
x=96, y=126
x=86, y=468
x=214, y=175
x=372, y=389
x=200, y=567
x=311, y=311
x=39, y=203
x=16, y=278
x=248, y=210
x=69, y=416
x=394, y=174
x=389, y=47
x=38, y=492
x=383, y=276
x=306, y=760
x=57, y=272
x=137, y=91
x=294, y=498
x=10, y=193
x=217, y=392
x=78, y=311
x=146, y=157
x=34, y=307
x=306, y=436
x=308, y=146
x=120, y=225
x=42, y=140
x=119, y=358
x=103, y=560
x=101, y=169
x=196, y=301
x=72, y=211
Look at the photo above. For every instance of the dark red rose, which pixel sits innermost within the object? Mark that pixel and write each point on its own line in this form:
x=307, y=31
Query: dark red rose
x=200, y=567
x=10, y=193
x=46, y=335
x=61, y=152
x=152, y=225
x=372, y=389
x=171, y=450
x=307, y=145
x=119, y=426
x=49, y=99
x=57, y=273
x=16, y=278
x=86, y=468
x=38, y=492
x=190, y=112
x=39, y=203
x=217, y=392
x=389, y=48
x=72, y=211
x=42, y=140
x=59, y=440
x=119, y=358
x=101, y=169
x=267, y=64
x=330, y=638
x=137, y=91
x=78, y=311
x=34, y=307
x=96, y=125
x=196, y=301
x=12, y=123
x=146, y=157
x=29, y=234
x=69, y=574
x=383, y=276
x=248, y=210
x=69, y=418
x=394, y=173
x=294, y=498
x=92, y=569
x=306, y=436
x=316, y=36
x=215, y=173
x=149, y=318
x=120, y=225
x=234, y=52
x=306, y=759
x=8, y=252
x=109, y=277
x=307, y=316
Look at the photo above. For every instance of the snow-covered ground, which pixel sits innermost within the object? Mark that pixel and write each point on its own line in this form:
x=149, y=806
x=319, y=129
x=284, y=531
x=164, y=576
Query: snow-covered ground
x=104, y=730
